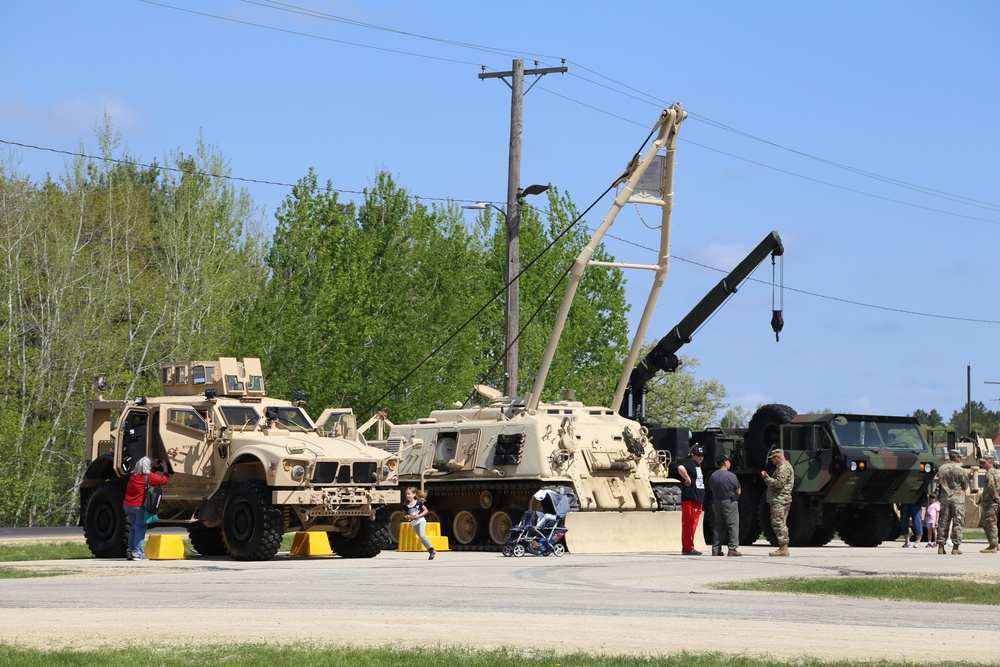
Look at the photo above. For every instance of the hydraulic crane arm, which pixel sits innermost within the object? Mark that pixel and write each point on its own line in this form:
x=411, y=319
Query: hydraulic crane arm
x=663, y=356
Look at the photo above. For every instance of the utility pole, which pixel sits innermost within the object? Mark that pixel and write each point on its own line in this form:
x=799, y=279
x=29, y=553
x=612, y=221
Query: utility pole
x=514, y=194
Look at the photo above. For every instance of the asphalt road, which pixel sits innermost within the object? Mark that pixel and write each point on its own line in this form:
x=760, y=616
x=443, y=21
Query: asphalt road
x=647, y=604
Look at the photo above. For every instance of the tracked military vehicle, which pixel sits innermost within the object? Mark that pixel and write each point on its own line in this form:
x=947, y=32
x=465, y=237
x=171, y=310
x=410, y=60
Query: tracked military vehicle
x=244, y=468
x=850, y=472
x=481, y=465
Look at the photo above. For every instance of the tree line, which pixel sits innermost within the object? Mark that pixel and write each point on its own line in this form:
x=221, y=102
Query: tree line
x=379, y=303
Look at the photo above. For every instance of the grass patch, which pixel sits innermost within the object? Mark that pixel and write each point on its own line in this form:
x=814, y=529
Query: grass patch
x=22, y=573
x=919, y=589
x=28, y=551
x=43, y=551
x=265, y=655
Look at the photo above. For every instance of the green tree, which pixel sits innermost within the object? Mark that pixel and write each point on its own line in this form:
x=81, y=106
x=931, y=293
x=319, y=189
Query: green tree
x=358, y=300
x=737, y=417
x=928, y=419
x=594, y=343
x=680, y=399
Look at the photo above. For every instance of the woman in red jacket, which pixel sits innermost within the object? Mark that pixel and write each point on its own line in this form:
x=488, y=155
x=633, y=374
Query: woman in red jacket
x=135, y=492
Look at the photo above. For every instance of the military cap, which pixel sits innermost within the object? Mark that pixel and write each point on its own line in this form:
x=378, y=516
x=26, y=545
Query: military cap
x=952, y=453
x=984, y=459
x=777, y=451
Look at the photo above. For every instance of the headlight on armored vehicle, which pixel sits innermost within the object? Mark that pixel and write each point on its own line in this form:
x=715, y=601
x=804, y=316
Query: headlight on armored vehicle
x=857, y=465
x=926, y=467
x=296, y=470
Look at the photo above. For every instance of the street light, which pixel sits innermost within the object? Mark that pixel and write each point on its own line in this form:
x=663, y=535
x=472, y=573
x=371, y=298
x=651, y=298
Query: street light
x=513, y=219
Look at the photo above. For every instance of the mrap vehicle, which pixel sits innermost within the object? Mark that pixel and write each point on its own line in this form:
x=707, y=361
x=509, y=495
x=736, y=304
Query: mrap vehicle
x=244, y=468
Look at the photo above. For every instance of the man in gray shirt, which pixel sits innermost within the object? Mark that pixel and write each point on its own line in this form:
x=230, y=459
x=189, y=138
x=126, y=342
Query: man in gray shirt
x=725, y=494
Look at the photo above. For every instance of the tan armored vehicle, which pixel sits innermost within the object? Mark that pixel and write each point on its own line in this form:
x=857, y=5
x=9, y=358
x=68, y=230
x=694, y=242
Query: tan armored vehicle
x=481, y=465
x=244, y=469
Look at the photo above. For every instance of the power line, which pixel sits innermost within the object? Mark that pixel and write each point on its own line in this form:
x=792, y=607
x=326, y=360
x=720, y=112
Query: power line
x=621, y=89
x=452, y=199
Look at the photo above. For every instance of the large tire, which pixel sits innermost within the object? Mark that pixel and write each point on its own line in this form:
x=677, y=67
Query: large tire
x=822, y=536
x=865, y=526
x=252, y=527
x=207, y=541
x=105, y=525
x=366, y=539
x=800, y=521
x=749, y=506
x=764, y=431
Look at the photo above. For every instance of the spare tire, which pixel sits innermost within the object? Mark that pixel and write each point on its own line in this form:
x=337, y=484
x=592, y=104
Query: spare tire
x=764, y=432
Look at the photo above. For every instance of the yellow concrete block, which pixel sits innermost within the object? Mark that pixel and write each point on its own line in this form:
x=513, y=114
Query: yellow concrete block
x=164, y=547
x=408, y=540
x=312, y=543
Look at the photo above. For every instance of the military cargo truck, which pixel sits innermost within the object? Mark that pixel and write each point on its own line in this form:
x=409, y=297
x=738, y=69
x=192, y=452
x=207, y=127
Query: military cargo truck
x=244, y=468
x=850, y=472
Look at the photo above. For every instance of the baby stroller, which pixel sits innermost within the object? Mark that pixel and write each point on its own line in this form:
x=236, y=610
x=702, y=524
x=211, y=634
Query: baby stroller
x=540, y=533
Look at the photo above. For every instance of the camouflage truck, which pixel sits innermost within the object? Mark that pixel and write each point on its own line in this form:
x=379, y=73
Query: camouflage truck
x=244, y=468
x=850, y=472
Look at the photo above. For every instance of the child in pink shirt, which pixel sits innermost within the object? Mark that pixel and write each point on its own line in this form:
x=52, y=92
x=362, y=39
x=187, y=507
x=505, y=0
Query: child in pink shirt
x=933, y=507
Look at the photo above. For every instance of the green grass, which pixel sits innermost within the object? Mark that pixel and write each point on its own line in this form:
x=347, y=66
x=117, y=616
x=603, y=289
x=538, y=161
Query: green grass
x=266, y=655
x=74, y=550
x=920, y=589
x=43, y=551
x=20, y=573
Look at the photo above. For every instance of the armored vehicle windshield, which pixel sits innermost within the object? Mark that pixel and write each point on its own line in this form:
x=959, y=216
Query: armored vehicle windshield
x=878, y=435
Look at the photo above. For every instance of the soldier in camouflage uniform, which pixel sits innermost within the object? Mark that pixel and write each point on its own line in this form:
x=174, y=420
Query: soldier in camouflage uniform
x=779, y=497
x=952, y=485
x=988, y=505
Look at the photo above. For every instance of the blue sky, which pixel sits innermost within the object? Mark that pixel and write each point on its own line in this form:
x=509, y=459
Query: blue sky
x=865, y=133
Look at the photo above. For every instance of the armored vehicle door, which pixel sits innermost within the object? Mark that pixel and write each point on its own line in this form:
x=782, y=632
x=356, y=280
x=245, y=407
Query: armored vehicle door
x=184, y=435
x=133, y=438
x=810, y=450
x=456, y=450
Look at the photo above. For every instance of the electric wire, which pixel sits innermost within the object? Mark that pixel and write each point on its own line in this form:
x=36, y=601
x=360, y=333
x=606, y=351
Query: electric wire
x=619, y=88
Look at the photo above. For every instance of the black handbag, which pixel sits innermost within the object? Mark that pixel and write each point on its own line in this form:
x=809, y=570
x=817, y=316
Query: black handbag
x=152, y=497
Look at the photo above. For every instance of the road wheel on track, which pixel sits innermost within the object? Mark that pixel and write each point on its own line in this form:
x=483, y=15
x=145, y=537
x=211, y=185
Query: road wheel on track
x=105, y=525
x=501, y=522
x=366, y=538
x=764, y=432
x=251, y=526
x=468, y=526
x=395, y=521
x=207, y=541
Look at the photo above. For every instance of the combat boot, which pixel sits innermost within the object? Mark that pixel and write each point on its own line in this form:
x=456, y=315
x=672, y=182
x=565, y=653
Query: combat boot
x=992, y=549
x=780, y=551
x=941, y=549
x=955, y=551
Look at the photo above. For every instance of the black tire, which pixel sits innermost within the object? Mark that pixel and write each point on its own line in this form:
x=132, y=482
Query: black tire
x=252, y=527
x=801, y=522
x=207, y=541
x=105, y=525
x=764, y=431
x=366, y=539
x=749, y=507
x=864, y=526
x=822, y=536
